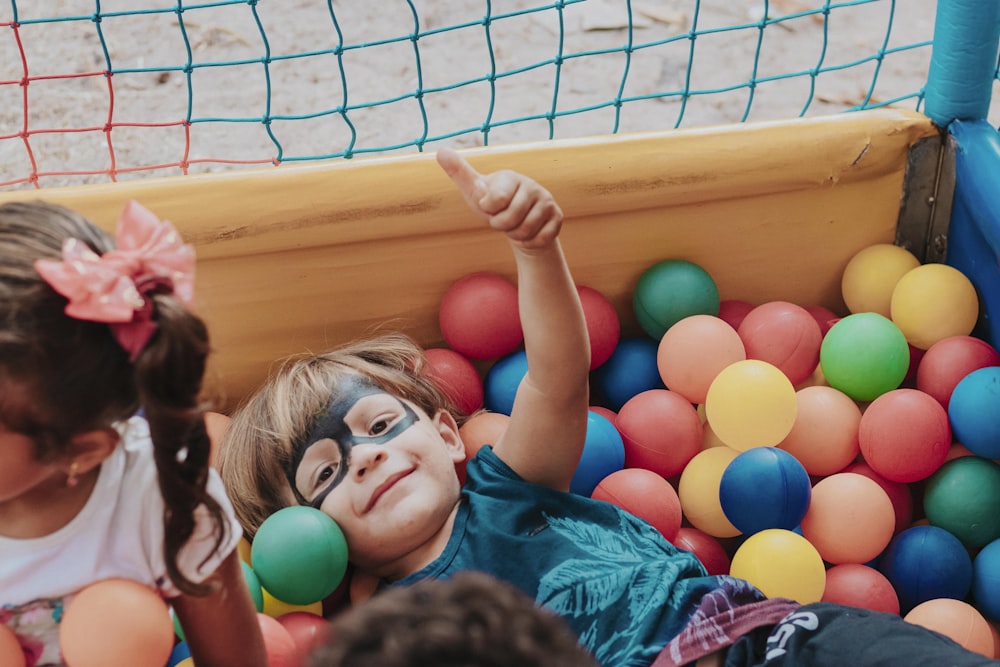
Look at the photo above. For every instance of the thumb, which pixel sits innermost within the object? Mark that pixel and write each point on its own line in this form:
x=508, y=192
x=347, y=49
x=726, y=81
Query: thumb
x=469, y=181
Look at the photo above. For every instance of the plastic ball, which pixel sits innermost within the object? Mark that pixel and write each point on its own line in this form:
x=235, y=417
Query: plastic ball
x=732, y=311
x=824, y=437
x=850, y=519
x=603, y=454
x=986, y=580
x=186, y=662
x=279, y=645
x=671, y=290
x=824, y=317
x=483, y=428
x=644, y=494
x=858, y=585
x=972, y=412
x=899, y=493
x=116, y=623
x=631, y=369
x=479, y=317
x=904, y=435
x=871, y=275
x=932, y=302
x=781, y=563
x=762, y=488
x=253, y=584
x=706, y=549
x=661, y=431
x=307, y=631
x=457, y=378
x=10, y=649
x=178, y=655
x=963, y=497
x=785, y=335
x=244, y=550
x=751, y=403
x=607, y=413
x=698, y=490
x=864, y=355
x=695, y=350
x=957, y=620
x=502, y=380
x=926, y=562
x=299, y=554
x=603, y=325
x=274, y=607
x=947, y=361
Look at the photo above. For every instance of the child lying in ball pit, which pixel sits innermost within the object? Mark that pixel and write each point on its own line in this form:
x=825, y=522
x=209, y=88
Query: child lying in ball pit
x=363, y=435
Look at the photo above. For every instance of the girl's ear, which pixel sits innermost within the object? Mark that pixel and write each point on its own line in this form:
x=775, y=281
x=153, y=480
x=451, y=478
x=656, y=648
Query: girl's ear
x=88, y=450
x=448, y=429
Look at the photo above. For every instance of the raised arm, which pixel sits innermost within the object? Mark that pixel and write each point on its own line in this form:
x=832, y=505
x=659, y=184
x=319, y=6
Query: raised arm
x=548, y=422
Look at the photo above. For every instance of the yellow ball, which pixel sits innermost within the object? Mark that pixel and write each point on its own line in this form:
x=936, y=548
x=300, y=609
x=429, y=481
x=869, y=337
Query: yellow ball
x=243, y=548
x=698, y=491
x=871, y=275
x=932, y=302
x=782, y=564
x=274, y=607
x=751, y=403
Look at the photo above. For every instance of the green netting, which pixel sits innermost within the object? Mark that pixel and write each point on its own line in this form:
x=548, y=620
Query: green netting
x=93, y=91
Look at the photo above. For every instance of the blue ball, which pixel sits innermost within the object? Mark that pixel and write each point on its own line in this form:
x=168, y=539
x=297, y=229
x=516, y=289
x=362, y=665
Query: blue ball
x=502, y=380
x=181, y=652
x=764, y=487
x=603, y=454
x=631, y=369
x=927, y=562
x=972, y=412
x=986, y=580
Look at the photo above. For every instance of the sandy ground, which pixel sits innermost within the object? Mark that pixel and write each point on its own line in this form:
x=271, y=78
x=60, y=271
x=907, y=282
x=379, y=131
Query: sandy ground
x=229, y=90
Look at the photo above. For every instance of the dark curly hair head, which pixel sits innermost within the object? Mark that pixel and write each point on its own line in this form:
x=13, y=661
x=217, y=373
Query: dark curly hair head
x=470, y=620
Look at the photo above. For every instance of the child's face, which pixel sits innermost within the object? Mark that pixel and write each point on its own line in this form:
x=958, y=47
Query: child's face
x=384, y=470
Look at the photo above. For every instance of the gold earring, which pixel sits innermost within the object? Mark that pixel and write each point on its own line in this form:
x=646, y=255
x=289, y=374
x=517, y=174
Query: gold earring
x=71, y=479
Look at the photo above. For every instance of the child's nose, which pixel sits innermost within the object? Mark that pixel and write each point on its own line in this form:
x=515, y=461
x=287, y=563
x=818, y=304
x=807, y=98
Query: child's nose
x=366, y=458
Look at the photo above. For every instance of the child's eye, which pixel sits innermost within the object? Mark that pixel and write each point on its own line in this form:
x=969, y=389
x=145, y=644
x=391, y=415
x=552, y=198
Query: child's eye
x=380, y=426
x=325, y=474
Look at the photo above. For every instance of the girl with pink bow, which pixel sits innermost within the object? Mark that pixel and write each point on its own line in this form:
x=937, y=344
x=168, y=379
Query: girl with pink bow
x=94, y=332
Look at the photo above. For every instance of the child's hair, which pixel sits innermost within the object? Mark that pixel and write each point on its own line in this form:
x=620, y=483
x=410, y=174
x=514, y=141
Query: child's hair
x=470, y=620
x=60, y=376
x=265, y=431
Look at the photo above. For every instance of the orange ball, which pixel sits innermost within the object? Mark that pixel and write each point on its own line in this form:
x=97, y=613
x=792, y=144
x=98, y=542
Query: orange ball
x=11, y=654
x=958, y=620
x=850, y=518
x=698, y=491
x=116, y=623
x=693, y=351
x=824, y=437
x=279, y=644
x=483, y=428
x=661, y=431
x=644, y=494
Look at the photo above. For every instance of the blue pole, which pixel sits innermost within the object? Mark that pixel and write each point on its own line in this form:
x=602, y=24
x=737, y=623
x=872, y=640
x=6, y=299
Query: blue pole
x=963, y=60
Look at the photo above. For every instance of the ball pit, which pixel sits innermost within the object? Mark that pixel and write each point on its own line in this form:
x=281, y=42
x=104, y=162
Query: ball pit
x=698, y=490
x=732, y=311
x=963, y=497
x=629, y=370
x=864, y=355
x=986, y=580
x=871, y=276
x=956, y=620
x=932, y=302
x=824, y=437
x=781, y=563
x=785, y=335
x=278, y=643
x=299, y=554
x=501, y=382
x=603, y=454
x=706, y=548
x=763, y=488
x=904, y=435
x=850, y=518
x=671, y=290
x=899, y=493
x=926, y=562
x=661, y=431
x=859, y=585
x=603, y=326
x=479, y=318
x=644, y=494
x=694, y=351
x=751, y=403
x=457, y=377
x=947, y=361
x=972, y=412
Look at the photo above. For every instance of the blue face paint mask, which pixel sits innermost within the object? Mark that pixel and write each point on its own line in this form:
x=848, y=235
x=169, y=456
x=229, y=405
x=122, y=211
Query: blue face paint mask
x=331, y=425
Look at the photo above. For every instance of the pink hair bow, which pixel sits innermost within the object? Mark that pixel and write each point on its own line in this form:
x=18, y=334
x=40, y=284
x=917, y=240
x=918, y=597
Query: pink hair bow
x=114, y=287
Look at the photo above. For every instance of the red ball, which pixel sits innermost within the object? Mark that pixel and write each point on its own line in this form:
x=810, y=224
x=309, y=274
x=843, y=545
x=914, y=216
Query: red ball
x=603, y=324
x=708, y=549
x=661, y=431
x=947, y=361
x=733, y=311
x=644, y=494
x=607, y=413
x=457, y=378
x=479, y=316
x=898, y=492
x=307, y=630
x=824, y=317
x=278, y=643
x=861, y=586
x=904, y=435
x=784, y=335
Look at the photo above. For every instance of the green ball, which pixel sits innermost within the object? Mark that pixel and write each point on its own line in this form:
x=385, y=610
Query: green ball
x=253, y=583
x=963, y=497
x=864, y=355
x=299, y=554
x=671, y=290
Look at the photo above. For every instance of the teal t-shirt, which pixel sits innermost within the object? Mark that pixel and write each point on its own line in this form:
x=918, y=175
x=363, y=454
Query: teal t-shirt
x=621, y=586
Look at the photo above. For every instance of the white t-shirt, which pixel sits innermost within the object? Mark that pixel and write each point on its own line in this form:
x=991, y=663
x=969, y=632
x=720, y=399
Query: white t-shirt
x=118, y=533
